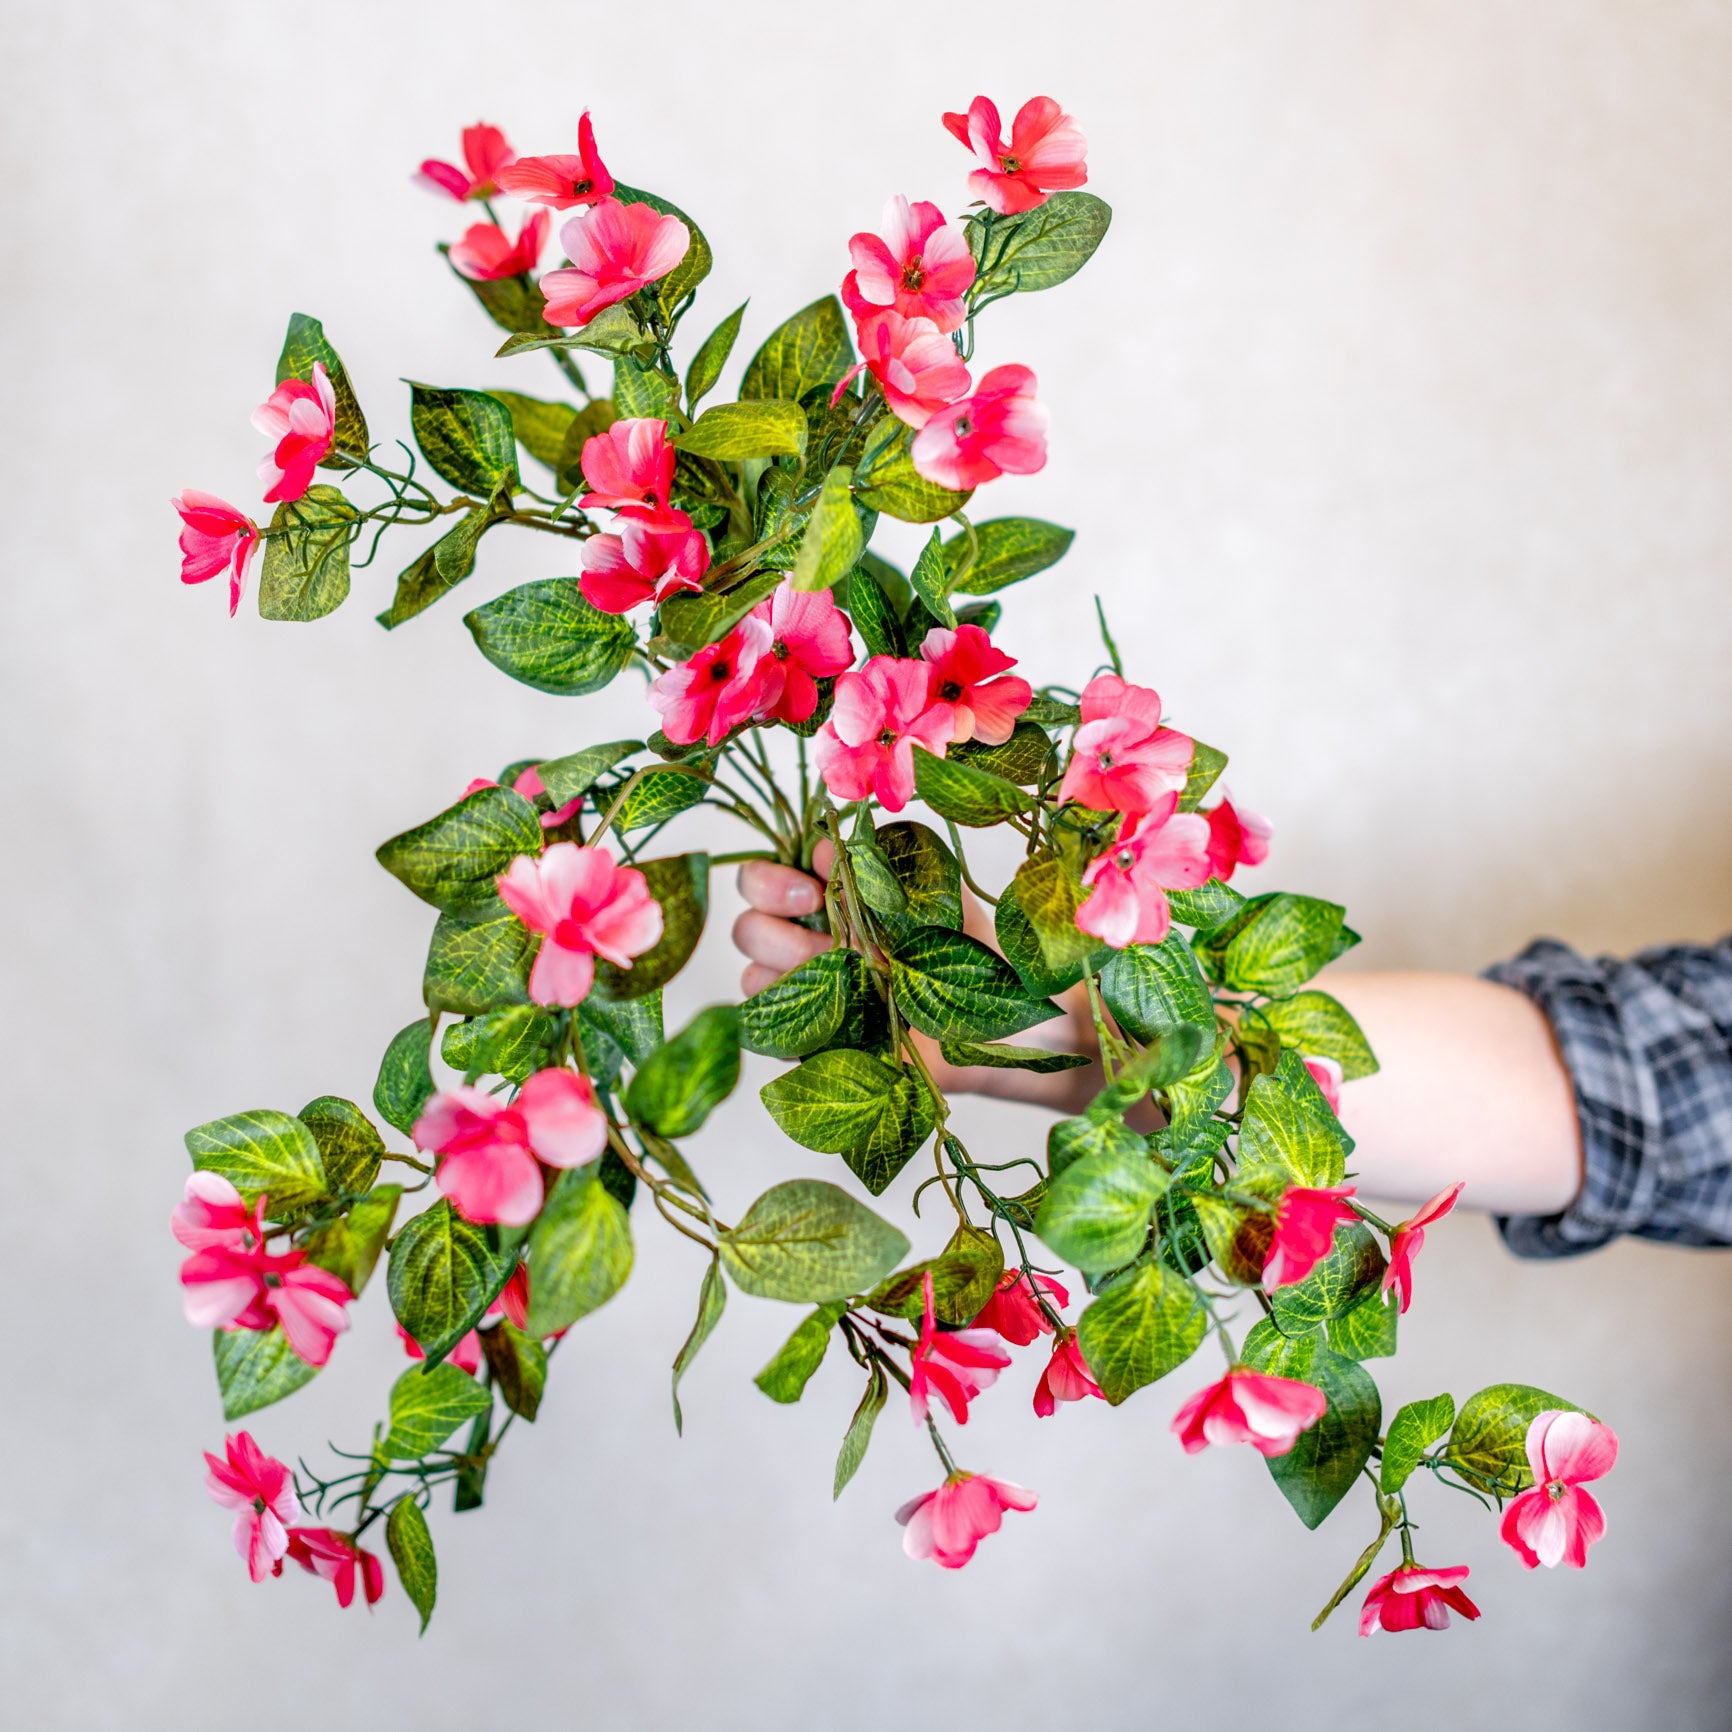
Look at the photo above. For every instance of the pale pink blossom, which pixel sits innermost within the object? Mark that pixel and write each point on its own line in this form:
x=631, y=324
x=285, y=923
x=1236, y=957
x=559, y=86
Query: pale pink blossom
x=586, y=905
x=1414, y=1598
x=1122, y=759
x=261, y=1491
x=486, y=254
x=615, y=249
x=915, y=364
x=1000, y=430
x=466, y=1355
x=920, y=267
x=301, y=418
x=214, y=537
x=560, y=181
x=955, y=1365
x=1237, y=837
x=709, y=696
x=963, y=663
x=1250, y=1407
x=644, y=561
x=1326, y=1073
x=212, y=1212
x=947, y=1524
x=1555, y=1521
x=1066, y=1378
x=529, y=784
x=881, y=714
x=809, y=641
x=1409, y=1238
x=1046, y=153
x=1304, y=1232
x=630, y=467
x=485, y=153
x=493, y=1149
x=335, y=1558
x=1158, y=850
x=1014, y=1312
x=246, y=1287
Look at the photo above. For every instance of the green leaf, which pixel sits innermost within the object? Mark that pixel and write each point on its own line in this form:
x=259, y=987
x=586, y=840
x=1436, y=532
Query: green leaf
x=1288, y=1126
x=613, y=331
x=350, y=1248
x=567, y=778
x=1006, y=550
x=833, y=540
x=930, y=580
x=785, y=1378
x=513, y=1043
x=1025, y=758
x=514, y=304
x=540, y=426
x=1169, y=1056
x=657, y=795
x=995, y=1055
x=690, y=622
x=712, y=1300
x=519, y=1366
x=803, y=1010
x=679, y=1084
x=634, y=1025
x=1075, y=1139
x=930, y=877
x=1288, y=940
x=405, y=1077
x=478, y=960
x=810, y=350
x=305, y=574
x=454, y=861
x=887, y=481
x=1320, y=1468
x=680, y=883
x=694, y=265
x=1206, y=766
x=712, y=357
x=859, y=1433
x=1096, y=1210
x=1368, y=1331
x=546, y=635
x=444, y=1273
x=964, y=1276
x=848, y=1103
x=952, y=987
x=262, y=1152
x=1315, y=1023
x=734, y=432
x=580, y=1251
x=427, y=1405
x=466, y=435
x=304, y=343
x=1049, y=895
x=965, y=795
x=880, y=889
x=1413, y=1430
x=1141, y=1326
x=874, y=617
x=411, y=1547
x=1040, y=248
x=437, y=570
x=349, y=1146
x=808, y=1241
x=1022, y=949
x=1210, y=905
x=255, y=1367
x=1346, y=1277
x=1489, y=1442
x=1153, y=987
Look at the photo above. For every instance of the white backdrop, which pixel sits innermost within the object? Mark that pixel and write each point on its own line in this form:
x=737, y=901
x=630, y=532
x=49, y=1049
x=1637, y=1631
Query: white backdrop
x=1396, y=418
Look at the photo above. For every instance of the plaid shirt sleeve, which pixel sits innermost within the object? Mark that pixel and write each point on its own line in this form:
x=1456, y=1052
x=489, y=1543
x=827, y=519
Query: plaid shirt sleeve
x=1648, y=1043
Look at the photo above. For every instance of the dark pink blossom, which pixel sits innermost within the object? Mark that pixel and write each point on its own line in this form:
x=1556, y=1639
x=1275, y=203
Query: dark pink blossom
x=1158, y=850
x=1326, y=1073
x=809, y=641
x=529, y=784
x=1250, y=1407
x=947, y=1524
x=630, y=467
x=1237, y=837
x=1015, y=1313
x=709, y=696
x=1408, y=1240
x=335, y=1558
x=466, y=1355
x=915, y=364
x=1122, y=759
x=881, y=714
x=1046, y=153
x=560, y=181
x=1555, y=1521
x=644, y=561
x=964, y=664
x=1000, y=430
x=586, y=905
x=955, y=1365
x=261, y=1491
x=1066, y=1378
x=1304, y=1232
x=615, y=249
x=920, y=267
x=212, y=1212
x=485, y=153
x=301, y=417
x=487, y=255
x=1414, y=1598
x=214, y=537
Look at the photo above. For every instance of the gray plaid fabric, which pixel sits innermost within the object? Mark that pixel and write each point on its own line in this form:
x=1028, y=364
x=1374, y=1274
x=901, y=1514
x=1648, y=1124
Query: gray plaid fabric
x=1648, y=1042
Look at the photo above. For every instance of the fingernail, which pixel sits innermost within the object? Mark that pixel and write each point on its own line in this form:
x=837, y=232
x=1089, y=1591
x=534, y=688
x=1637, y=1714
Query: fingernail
x=803, y=898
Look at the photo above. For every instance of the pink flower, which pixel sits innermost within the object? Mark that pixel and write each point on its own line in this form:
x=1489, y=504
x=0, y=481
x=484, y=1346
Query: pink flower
x=1409, y=1237
x=1046, y=153
x=630, y=468
x=1000, y=430
x=586, y=906
x=645, y=561
x=963, y=662
x=491, y=1147
x=485, y=255
x=720, y=687
x=1122, y=759
x=1554, y=1521
x=466, y=1355
x=214, y=535
x=1015, y=1313
x=529, y=785
x=245, y=1287
x=560, y=181
x=1304, y=1232
x=881, y=715
x=1162, y=849
x=261, y=1490
x=302, y=419
x=1237, y=837
x=1249, y=1407
x=915, y=364
x=1326, y=1073
x=1410, y=1597
x=1066, y=1378
x=955, y=1365
x=309, y=1302
x=484, y=151
x=514, y=1299
x=615, y=249
x=335, y=1557
x=809, y=641
x=921, y=267
x=212, y=1213
x=947, y=1524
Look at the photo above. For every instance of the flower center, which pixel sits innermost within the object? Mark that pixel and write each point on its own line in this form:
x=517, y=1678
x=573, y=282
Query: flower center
x=950, y=691
x=914, y=275
x=964, y=427
x=779, y=650
x=1010, y=164
x=273, y=1280
x=721, y=669
x=1556, y=1489
x=258, y=1504
x=580, y=187
x=1124, y=859
x=887, y=737
x=1105, y=760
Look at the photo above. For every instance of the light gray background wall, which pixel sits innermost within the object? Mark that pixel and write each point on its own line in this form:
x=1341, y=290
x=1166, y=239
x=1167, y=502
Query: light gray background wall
x=1396, y=418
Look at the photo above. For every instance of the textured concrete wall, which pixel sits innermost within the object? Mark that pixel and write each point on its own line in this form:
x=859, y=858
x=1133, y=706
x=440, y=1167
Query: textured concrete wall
x=1396, y=416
